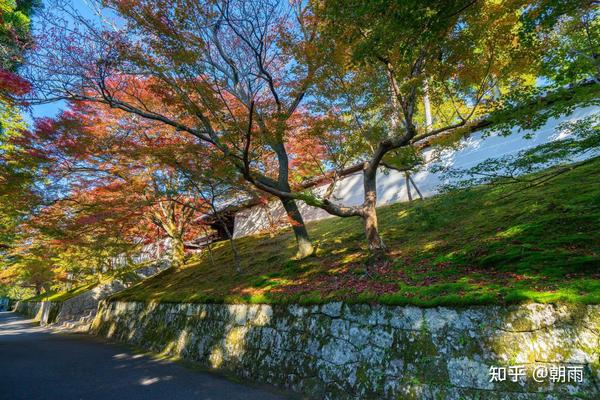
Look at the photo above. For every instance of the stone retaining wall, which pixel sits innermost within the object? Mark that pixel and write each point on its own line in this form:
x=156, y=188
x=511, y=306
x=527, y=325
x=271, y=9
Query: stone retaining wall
x=342, y=351
x=28, y=308
x=43, y=311
x=77, y=313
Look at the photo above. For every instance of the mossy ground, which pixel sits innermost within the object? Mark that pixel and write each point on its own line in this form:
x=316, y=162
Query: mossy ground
x=62, y=296
x=476, y=246
x=125, y=274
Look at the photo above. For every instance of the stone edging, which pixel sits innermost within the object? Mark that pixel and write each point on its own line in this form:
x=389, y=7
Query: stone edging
x=343, y=351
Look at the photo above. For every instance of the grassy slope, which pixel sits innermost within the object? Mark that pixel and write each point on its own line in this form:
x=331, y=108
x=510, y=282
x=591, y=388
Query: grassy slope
x=62, y=296
x=469, y=247
x=126, y=274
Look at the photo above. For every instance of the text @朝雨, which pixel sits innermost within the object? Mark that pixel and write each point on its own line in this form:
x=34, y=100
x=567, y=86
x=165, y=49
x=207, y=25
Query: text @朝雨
x=541, y=373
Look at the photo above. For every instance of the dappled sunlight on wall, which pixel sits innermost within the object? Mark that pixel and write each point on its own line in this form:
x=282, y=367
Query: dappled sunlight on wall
x=372, y=351
x=216, y=357
x=176, y=330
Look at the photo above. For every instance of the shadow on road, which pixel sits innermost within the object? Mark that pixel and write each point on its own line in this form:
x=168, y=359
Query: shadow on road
x=40, y=363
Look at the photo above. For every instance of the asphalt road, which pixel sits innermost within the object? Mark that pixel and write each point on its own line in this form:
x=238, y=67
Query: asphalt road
x=38, y=363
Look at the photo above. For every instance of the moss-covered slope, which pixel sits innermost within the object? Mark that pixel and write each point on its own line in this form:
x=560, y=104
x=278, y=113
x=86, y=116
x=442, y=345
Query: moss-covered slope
x=485, y=245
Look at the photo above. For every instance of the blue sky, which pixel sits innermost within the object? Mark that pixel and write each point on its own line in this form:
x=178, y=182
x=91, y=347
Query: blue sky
x=53, y=109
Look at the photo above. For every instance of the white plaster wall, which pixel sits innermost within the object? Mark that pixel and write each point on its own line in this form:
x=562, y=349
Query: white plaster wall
x=391, y=185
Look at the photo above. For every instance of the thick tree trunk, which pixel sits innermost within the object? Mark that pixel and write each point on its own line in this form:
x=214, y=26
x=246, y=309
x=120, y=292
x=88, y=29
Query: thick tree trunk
x=177, y=251
x=305, y=247
x=369, y=216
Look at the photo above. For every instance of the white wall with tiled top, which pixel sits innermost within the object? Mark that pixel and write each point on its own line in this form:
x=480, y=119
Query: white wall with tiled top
x=391, y=185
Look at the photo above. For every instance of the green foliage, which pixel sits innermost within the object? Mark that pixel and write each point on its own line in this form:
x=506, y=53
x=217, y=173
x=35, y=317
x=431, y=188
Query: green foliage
x=574, y=47
x=404, y=158
x=379, y=28
x=461, y=248
x=531, y=109
x=14, y=30
x=17, y=167
x=33, y=270
x=15, y=292
x=16, y=174
x=473, y=54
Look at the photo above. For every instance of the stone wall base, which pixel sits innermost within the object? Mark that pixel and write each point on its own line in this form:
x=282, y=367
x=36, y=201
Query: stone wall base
x=343, y=351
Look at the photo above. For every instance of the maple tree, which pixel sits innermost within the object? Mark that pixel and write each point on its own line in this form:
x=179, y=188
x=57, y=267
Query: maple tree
x=215, y=185
x=18, y=167
x=31, y=271
x=234, y=74
x=467, y=51
x=241, y=78
x=31, y=262
x=573, y=51
x=112, y=183
x=15, y=39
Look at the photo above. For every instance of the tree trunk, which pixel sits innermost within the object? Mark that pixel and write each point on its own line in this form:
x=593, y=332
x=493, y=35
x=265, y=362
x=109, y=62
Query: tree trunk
x=496, y=92
x=407, y=178
x=177, y=251
x=210, y=254
x=427, y=106
x=369, y=216
x=305, y=247
x=237, y=261
x=415, y=186
x=272, y=224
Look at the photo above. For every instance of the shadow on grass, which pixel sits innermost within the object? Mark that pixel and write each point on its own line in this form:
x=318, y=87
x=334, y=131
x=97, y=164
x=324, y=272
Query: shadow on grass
x=475, y=246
